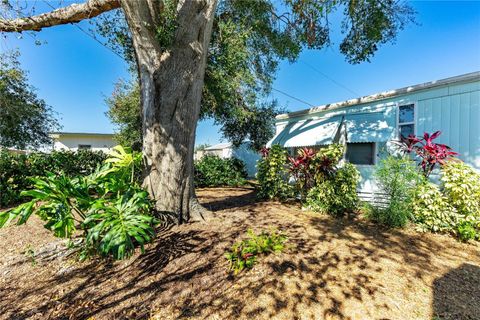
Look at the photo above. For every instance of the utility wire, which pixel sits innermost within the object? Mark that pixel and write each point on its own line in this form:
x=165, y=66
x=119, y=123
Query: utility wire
x=331, y=79
x=290, y=96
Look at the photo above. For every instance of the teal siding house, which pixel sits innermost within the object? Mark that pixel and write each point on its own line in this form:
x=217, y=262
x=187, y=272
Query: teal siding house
x=450, y=105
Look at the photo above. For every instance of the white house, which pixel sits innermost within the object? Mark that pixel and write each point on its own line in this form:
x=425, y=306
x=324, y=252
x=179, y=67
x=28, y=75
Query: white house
x=227, y=150
x=82, y=140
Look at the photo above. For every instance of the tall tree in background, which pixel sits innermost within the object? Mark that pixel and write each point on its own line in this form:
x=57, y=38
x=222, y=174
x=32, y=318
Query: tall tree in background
x=25, y=120
x=125, y=112
x=234, y=46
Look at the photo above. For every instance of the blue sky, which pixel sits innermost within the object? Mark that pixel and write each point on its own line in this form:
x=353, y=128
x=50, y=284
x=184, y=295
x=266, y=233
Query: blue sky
x=73, y=73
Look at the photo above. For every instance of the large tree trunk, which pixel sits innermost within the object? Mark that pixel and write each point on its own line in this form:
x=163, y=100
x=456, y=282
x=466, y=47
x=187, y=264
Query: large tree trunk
x=171, y=85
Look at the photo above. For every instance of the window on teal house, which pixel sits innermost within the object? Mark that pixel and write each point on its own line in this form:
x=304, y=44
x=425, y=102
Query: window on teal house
x=406, y=120
x=361, y=153
x=84, y=146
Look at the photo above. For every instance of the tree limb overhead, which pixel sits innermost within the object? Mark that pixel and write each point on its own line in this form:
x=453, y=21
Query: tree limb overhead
x=70, y=14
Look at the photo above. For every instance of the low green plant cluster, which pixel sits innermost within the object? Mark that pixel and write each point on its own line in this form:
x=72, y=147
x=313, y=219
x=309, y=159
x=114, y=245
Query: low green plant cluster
x=336, y=193
x=213, y=171
x=107, y=209
x=454, y=206
x=317, y=178
x=17, y=169
x=272, y=174
x=243, y=254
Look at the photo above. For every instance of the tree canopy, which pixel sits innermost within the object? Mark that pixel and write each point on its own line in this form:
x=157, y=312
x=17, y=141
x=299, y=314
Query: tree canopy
x=25, y=119
x=249, y=39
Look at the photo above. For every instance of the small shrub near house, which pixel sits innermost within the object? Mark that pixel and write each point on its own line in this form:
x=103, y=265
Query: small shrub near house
x=336, y=194
x=106, y=211
x=397, y=179
x=16, y=170
x=213, y=171
x=272, y=174
x=244, y=254
x=454, y=206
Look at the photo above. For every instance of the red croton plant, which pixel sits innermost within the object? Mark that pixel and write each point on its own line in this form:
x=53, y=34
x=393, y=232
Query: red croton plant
x=430, y=153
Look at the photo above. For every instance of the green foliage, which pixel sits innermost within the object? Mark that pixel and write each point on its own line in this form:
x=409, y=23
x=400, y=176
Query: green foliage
x=25, y=120
x=432, y=210
x=17, y=169
x=397, y=178
x=461, y=186
x=124, y=111
x=272, y=175
x=336, y=194
x=249, y=39
x=213, y=171
x=453, y=207
x=468, y=231
x=243, y=254
x=111, y=210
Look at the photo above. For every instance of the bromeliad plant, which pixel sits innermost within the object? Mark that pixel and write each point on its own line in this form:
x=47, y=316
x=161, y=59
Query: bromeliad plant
x=107, y=209
x=429, y=152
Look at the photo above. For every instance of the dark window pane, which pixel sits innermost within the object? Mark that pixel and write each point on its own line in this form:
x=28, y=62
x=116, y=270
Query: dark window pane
x=360, y=153
x=406, y=113
x=84, y=146
x=406, y=130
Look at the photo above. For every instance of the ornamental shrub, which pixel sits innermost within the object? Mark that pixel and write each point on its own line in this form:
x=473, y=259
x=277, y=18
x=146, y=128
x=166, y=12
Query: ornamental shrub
x=107, y=210
x=17, y=169
x=397, y=178
x=432, y=211
x=213, y=171
x=336, y=194
x=272, y=174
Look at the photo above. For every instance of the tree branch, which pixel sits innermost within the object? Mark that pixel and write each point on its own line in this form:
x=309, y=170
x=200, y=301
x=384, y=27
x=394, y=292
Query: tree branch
x=70, y=14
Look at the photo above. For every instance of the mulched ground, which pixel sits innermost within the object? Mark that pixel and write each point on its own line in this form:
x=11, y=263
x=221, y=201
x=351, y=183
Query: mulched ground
x=336, y=269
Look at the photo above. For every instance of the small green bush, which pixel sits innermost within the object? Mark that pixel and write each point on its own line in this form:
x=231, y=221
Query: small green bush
x=111, y=211
x=213, y=171
x=432, y=211
x=17, y=169
x=461, y=186
x=244, y=254
x=337, y=194
x=467, y=231
x=272, y=174
x=397, y=178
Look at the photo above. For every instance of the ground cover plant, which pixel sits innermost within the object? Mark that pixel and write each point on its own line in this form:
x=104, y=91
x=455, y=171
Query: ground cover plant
x=16, y=170
x=213, y=171
x=244, y=254
x=106, y=210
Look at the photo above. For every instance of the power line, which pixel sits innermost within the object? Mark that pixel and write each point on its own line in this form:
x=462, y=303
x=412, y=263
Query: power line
x=290, y=96
x=331, y=79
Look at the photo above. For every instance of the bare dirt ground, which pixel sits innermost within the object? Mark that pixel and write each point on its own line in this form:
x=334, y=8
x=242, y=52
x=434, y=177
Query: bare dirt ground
x=337, y=269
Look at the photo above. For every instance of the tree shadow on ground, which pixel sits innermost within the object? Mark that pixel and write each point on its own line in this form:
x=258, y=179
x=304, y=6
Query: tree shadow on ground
x=456, y=295
x=335, y=269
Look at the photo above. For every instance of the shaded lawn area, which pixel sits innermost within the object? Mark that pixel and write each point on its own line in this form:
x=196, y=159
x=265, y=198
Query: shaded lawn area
x=337, y=269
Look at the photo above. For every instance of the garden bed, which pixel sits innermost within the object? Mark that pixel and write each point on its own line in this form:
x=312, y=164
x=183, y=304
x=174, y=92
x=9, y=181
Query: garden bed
x=336, y=269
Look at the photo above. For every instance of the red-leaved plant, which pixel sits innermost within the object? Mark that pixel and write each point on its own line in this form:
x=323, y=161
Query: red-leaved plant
x=300, y=168
x=430, y=153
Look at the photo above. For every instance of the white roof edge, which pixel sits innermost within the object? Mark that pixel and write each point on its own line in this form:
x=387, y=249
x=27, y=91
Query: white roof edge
x=82, y=133
x=383, y=95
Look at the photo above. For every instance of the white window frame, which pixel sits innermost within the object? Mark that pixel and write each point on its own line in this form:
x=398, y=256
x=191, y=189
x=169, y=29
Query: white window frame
x=414, y=122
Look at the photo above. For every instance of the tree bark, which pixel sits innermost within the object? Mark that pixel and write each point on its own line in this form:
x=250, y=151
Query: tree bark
x=171, y=88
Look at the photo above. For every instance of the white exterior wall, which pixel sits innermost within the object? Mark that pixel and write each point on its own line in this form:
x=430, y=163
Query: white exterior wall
x=71, y=142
